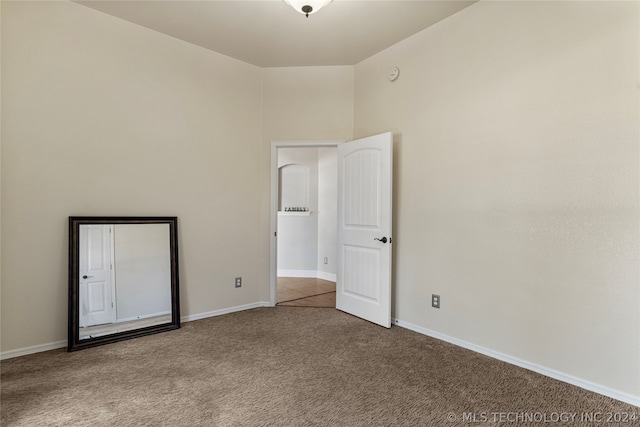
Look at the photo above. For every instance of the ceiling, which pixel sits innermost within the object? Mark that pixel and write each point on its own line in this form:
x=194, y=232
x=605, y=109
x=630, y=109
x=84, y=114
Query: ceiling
x=269, y=33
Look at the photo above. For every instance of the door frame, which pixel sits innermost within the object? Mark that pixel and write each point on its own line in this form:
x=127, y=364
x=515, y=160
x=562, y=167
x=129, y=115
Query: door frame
x=273, y=206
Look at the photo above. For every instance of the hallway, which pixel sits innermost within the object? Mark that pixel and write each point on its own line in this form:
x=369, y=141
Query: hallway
x=306, y=292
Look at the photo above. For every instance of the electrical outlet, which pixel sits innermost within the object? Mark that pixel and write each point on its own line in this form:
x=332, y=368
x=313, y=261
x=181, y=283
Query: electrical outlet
x=326, y=260
x=238, y=282
x=435, y=301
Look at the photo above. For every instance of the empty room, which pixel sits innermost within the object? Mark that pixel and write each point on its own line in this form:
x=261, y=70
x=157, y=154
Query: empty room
x=477, y=215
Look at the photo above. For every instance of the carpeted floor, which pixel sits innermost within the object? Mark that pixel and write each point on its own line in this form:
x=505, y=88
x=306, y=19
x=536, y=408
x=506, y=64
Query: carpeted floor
x=283, y=366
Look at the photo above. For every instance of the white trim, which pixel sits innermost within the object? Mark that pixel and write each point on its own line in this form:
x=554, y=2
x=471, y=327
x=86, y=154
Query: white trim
x=331, y=277
x=308, y=274
x=311, y=274
x=222, y=311
x=33, y=349
x=587, y=385
x=112, y=276
x=287, y=213
x=60, y=344
x=273, y=206
x=146, y=316
x=605, y=391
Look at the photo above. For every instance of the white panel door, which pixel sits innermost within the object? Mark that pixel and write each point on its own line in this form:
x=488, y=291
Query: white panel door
x=363, y=285
x=97, y=291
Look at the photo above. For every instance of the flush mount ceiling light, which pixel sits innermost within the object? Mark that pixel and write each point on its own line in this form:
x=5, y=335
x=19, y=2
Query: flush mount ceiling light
x=307, y=7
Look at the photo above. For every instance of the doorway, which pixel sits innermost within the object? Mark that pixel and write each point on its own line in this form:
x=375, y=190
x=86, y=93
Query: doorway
x=363, y=212
x=306, y=292
x=303, y=223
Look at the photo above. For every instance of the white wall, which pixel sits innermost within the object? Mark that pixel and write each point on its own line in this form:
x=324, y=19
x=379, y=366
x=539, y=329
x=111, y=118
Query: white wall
x=142, y=270
x=104, y=117
x=304, y=241
x=517, y=128
x=327, y=211
x=298, y=234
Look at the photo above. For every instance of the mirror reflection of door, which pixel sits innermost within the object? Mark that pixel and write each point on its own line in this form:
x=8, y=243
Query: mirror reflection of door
x=97, y=290
x=125, y=277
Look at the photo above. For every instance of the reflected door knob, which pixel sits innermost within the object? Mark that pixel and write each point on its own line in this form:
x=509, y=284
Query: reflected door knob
x=383, y=240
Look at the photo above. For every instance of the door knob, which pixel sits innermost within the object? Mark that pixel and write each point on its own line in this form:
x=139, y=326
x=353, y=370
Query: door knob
x=383, y=240
x=85, y=276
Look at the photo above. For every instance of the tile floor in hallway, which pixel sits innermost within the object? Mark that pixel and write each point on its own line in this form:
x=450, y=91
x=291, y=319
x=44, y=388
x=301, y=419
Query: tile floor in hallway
x=304, y=292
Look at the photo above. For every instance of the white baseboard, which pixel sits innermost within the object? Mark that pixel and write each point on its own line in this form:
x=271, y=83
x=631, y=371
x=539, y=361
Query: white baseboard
x=331, y=277
x=33, y=349
x=308, y=274
x=146, y=316
x=61, y=344
x=311, y=274
x=605, y=391
x=222, y=311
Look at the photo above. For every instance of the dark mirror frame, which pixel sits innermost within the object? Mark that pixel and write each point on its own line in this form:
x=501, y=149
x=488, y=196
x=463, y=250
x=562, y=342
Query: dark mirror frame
x=74, y=341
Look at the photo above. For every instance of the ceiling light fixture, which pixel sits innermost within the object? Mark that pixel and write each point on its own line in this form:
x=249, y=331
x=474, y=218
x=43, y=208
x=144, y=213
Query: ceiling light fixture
x=307, y=7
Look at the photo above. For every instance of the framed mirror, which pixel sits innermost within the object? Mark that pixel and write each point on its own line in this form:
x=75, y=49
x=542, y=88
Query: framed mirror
x=123, y=278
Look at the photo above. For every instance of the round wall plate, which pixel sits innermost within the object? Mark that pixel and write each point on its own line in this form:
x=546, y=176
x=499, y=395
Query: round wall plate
x=393, y=73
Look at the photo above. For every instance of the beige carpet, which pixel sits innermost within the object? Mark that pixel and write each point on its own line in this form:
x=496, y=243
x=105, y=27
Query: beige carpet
x=282, y=366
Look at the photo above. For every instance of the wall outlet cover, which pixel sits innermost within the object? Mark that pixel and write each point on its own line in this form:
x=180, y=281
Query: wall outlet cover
x=435, y=301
